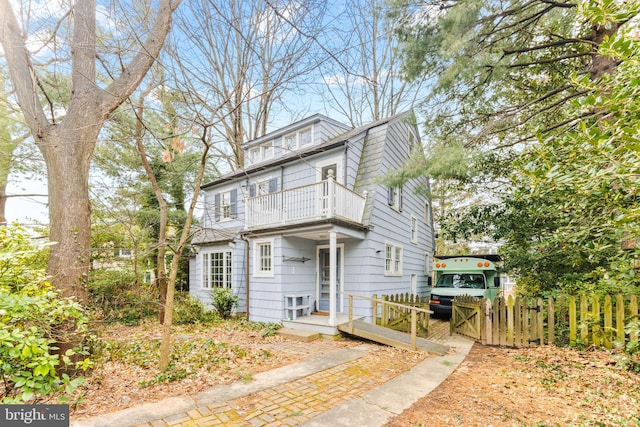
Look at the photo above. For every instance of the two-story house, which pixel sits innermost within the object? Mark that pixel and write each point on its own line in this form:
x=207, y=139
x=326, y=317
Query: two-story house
x=308, y=217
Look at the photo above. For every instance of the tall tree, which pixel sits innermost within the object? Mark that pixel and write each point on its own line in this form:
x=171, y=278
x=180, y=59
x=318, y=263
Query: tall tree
x=533, y=81
x=67, y=142
x=362, y=78
x=243, y=56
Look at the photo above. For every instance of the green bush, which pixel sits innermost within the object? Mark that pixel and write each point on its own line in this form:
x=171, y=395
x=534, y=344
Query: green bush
x=189, y=310
x=224, y=301
x=117, y=297
x=33, y=317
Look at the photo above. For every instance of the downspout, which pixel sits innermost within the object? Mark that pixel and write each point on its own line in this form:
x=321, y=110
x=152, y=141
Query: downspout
x=247, y=273
x=281, y=177
x=344, y=169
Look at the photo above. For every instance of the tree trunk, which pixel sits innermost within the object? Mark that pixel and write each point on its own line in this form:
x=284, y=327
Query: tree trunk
x=3, y=205
x=69, y=148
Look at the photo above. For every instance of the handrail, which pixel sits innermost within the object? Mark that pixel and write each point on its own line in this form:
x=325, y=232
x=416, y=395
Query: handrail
x=414, y=313
x=386, y=302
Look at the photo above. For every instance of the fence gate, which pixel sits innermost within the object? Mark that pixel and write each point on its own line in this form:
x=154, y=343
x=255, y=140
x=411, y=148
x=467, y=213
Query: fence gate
x=516, y=322
x=467, y=316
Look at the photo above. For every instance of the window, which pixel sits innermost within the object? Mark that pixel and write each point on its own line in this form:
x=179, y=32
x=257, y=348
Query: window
x=414, y=229
x=427, y=264
x=427, y=214
x=261, y=188
x=298, y=139
x=254, y=155
x=290, y=142
x=412, y=141
x=326, y=169
x=125, y=253
x=393, y=260
x=216, y=269
x=261, y=152
x=305, y=137
x=263, y=258
x=394, y=198
x=225, y=205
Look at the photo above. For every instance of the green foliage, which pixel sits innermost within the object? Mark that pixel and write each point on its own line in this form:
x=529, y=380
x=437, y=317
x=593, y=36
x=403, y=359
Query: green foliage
x=631, y=350
x=189, y=310
x=270, y=329
x=116, y=296
x=33, y=318
x=561, y=77
x=224, y=301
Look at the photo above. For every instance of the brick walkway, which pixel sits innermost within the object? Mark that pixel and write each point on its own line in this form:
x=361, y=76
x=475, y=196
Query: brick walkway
x=296, y=402
x=319, y=390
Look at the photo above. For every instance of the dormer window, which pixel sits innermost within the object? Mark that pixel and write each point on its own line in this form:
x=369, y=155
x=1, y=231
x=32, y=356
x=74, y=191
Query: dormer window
x=299, y=139
x=225, y=205
x=261, y=152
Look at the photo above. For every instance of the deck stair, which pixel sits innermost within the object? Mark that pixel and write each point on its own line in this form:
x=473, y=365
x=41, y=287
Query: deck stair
x=390, y=337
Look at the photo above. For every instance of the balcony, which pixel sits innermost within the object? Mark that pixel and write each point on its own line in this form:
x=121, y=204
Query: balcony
x=323, y=200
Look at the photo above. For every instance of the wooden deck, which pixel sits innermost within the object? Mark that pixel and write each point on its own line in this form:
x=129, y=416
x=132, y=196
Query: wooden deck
x=390, y=337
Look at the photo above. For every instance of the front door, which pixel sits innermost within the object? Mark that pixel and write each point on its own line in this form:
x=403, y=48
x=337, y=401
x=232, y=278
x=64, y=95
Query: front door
x=324, y=278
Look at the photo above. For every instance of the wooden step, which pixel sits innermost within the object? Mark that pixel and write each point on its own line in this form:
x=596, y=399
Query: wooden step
x=298, y=334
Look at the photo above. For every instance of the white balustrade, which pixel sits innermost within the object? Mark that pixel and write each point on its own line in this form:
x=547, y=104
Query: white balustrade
x=322, y=200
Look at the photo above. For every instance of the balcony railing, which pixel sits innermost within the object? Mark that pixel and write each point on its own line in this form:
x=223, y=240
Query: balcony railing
x=322, y=200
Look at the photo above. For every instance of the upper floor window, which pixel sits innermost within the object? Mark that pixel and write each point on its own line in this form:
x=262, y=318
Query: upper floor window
x=261, y=152
x=298, y=139
x=329, y=170
x=427, y=213
x=412, y=141
x=261, y=188
x=225, y=205
x=393, y=260
x=394, y=197
x=125, y=253
x=414, y=229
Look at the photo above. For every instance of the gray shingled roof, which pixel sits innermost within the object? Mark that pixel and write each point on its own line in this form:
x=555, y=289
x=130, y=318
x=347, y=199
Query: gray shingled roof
x=371, y=161
x=213, y=235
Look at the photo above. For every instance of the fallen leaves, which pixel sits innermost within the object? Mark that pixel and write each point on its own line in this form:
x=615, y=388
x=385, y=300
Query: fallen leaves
x=535, y=386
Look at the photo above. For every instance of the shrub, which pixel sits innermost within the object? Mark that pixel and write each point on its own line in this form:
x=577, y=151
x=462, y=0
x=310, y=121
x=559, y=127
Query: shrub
x=224, y=301
x=33, y=318
x=117, y=297
x=189, y=310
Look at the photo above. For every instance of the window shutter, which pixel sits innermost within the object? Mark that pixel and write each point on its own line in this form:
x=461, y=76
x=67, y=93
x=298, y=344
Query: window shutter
x=390, y=196
x=252, y=190
x=400, y=197
x=216, y=207
x=234, y=203
x=273, y=185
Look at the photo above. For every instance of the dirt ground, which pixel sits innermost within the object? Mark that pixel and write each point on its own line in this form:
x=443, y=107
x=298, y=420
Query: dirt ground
x=545, y=386
x=493, y=386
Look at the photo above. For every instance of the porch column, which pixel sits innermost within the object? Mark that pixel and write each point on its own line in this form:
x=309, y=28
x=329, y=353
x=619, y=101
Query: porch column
x=333, y=270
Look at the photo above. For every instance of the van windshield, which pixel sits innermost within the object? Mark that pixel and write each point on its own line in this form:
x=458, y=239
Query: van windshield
x=461, y=280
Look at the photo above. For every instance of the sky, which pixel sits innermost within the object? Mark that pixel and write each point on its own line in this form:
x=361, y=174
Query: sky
x=30, y=209
x=26, y=210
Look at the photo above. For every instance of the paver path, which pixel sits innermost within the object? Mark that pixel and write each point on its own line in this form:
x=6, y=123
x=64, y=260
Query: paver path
x=304, y=391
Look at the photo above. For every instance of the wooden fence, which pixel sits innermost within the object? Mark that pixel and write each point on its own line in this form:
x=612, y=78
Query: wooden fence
x=567, y=320
x=397, y=315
